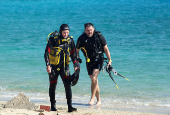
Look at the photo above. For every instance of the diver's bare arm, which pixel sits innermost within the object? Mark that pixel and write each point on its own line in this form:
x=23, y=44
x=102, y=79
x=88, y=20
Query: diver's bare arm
x=107, y=52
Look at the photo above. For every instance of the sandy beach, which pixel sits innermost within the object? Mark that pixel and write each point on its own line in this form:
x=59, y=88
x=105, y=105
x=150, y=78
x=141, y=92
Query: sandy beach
x=62, y=110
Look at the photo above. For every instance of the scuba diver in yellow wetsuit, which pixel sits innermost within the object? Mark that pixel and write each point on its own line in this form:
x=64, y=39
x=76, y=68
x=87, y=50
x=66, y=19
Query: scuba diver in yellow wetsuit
x=59, y=49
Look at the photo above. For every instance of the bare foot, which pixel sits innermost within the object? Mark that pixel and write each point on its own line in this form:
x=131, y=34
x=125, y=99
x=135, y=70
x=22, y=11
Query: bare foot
x=91, y=102
x=99, y=103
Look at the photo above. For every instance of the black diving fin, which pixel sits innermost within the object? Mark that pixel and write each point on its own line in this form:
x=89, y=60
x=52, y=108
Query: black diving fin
x=75, y=77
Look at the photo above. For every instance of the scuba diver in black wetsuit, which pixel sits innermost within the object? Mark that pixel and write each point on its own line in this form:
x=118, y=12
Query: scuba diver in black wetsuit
x=59, y=49
x=93, y=45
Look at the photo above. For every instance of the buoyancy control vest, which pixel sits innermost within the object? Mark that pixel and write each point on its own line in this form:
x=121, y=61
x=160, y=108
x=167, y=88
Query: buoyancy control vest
x=60, y=50
x=96, y=51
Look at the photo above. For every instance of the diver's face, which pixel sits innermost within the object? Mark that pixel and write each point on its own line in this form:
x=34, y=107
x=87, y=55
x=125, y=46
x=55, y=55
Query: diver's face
x=89, y=31
x=65, y=33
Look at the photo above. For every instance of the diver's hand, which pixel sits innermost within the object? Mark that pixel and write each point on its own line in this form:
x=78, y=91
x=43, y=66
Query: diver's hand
x=109, y=64
x=79, y=60
x=76, y=66
x=48, y=69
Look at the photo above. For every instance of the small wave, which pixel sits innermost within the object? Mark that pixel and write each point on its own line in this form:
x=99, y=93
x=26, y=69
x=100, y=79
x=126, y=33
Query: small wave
x=3, y=88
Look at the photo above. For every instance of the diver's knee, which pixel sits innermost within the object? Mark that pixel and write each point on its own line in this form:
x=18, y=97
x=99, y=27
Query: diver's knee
x=94, y=79
x=67, y=86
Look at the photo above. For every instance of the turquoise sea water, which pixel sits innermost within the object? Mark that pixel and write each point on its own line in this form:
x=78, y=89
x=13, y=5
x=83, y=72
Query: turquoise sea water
x=137, y=34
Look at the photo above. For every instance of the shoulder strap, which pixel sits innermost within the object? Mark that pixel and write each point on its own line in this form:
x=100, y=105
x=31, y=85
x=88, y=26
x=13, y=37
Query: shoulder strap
x=97, y=39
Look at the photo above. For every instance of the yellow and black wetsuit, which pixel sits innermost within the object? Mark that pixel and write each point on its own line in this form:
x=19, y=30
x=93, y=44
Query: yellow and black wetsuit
x=60, y=48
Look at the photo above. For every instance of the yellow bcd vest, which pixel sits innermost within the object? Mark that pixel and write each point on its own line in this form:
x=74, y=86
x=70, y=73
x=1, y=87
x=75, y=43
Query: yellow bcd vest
x=55, y=54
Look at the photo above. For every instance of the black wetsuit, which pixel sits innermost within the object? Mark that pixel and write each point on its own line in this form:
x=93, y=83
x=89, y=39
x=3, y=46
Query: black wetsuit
x=59, y=69
x=94, y=47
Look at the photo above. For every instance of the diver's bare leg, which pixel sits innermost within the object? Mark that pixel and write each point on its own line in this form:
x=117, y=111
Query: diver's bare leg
x=94, y=86
x=98, y=94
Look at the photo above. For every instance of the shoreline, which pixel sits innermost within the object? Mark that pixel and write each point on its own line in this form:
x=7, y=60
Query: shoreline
x=115, y=107
x=82, y=109
x=106, y=106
